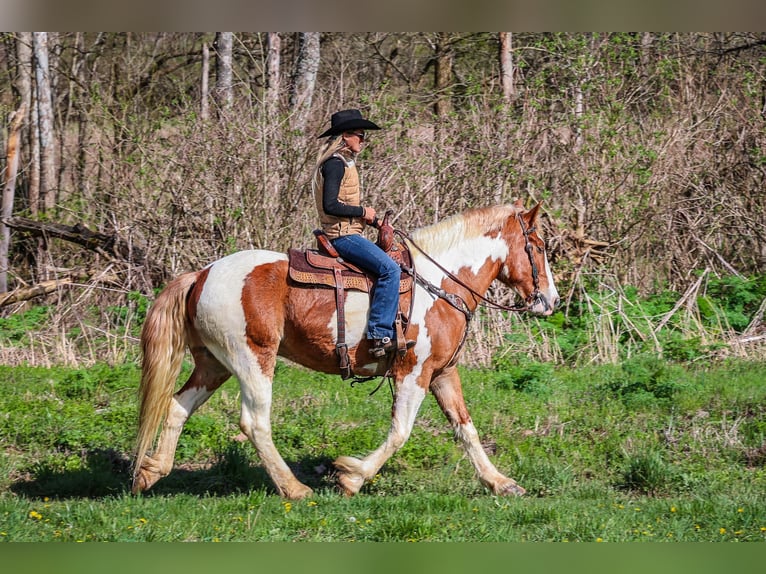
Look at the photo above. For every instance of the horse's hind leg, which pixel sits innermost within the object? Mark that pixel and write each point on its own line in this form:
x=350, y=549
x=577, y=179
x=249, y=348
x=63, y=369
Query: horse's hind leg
x=207, y=376
x=256, y=377
x=449, y=394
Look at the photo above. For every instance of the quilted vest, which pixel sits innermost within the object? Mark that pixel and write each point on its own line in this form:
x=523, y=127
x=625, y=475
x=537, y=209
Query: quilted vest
x=350, y=194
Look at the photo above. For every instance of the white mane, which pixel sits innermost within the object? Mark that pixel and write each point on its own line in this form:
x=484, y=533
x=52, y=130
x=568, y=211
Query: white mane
x=451, y=232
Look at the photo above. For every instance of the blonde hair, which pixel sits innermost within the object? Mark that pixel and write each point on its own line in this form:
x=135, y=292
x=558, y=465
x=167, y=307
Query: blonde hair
x=332, y=146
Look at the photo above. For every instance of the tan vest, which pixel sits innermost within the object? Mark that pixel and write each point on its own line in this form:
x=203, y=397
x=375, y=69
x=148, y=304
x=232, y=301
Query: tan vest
x=350, y=194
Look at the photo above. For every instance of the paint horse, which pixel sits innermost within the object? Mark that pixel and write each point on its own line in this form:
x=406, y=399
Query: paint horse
x=239, y=313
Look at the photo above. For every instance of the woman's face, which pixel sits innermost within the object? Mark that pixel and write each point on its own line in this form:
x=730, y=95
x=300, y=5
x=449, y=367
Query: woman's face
x=354, y=140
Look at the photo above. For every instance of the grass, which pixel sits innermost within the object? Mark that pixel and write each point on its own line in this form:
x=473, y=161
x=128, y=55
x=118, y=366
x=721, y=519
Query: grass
x=642, y=451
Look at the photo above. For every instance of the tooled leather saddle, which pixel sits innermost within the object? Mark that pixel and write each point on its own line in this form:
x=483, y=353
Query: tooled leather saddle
x=324, y=268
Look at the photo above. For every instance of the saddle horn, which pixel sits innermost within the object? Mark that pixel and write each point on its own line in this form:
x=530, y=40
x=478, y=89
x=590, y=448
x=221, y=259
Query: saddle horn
x=385, y=232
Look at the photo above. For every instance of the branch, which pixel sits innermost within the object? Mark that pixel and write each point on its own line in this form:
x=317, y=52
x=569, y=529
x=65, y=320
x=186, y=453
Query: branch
x=78, y=233
x=26, y=293
x=46, y=287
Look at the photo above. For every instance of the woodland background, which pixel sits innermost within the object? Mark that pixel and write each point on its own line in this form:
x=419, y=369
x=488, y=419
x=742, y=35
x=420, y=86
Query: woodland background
x=157, y=153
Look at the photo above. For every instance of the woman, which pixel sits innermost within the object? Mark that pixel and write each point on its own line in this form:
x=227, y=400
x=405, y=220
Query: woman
x=343, y=218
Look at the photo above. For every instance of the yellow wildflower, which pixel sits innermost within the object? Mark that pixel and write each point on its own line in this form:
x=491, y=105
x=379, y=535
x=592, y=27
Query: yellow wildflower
x=34, y=514
x=722, y=530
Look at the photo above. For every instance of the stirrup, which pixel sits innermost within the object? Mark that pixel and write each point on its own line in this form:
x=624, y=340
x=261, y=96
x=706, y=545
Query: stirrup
x=381, y=347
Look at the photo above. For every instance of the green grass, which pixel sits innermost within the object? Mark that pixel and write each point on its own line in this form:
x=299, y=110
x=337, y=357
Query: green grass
x=643, y=451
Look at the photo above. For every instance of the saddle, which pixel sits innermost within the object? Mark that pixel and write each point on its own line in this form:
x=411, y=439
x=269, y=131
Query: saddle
x=323, y=267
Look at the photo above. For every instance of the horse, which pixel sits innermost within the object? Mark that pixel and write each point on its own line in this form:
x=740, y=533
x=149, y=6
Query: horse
x=239, y=313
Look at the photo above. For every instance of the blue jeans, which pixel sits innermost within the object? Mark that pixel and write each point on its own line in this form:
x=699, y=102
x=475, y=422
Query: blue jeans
x=384, y=306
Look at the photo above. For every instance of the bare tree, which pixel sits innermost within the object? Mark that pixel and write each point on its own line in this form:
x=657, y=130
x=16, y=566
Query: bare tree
x=224, y=87
x=204, y=90
x=506, y=65
x=25, y=87
x=45, y=120
x=304, y=79
x=273, y=47
x=443, y=75
x=9, y=190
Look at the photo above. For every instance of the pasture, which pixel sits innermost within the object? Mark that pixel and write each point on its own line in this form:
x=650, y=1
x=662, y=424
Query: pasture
x=642, y=451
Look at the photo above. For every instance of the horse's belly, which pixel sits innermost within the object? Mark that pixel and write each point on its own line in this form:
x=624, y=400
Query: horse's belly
x=311, y=326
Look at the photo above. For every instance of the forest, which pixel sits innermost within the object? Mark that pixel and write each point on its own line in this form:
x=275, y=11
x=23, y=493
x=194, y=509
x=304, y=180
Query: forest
x=129, y=158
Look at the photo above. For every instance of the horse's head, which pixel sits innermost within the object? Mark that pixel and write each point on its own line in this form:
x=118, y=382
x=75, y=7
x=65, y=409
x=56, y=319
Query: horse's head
x=526, y=269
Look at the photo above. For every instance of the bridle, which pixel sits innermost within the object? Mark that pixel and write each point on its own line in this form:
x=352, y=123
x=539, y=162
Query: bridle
x=459, y=303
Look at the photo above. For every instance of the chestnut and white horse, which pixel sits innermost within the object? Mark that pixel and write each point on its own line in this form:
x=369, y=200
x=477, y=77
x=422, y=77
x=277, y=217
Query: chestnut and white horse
x=239, y=313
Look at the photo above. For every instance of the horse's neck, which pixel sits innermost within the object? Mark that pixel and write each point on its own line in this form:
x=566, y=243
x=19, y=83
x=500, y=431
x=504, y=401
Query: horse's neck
x=475, y=261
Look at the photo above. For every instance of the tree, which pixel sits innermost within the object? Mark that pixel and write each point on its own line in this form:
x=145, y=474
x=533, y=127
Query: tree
x=304, y=78
x=224, y=86
x=443, y=75
x=25, y=87
x=506, y=65
x=45, y=120
x=9, y=188
x=273, y=47
x=204, y=112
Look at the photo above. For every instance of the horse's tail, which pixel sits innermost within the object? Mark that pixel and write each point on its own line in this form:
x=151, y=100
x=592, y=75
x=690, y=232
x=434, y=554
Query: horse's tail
x=163, y=341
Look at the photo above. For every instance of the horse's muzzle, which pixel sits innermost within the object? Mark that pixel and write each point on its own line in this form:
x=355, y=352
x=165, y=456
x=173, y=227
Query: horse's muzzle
x=541, y=306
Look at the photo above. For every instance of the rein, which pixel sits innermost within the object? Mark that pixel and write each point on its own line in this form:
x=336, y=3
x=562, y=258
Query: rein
x=530, y=300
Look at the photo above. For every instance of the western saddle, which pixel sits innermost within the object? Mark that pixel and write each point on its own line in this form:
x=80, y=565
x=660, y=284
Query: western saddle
x=323, y=267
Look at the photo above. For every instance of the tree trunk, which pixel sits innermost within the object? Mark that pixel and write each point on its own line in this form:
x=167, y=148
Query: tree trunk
x=26, y=89
x=9, y=190
x=45, y=121
x=506, y=66
x=204, y=112
x=271, y=98
x=304, y=80
x=224, y=91
x=443, y=76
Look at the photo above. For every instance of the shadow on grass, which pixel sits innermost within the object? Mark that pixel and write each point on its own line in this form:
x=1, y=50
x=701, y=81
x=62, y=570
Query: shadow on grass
x=106, y=473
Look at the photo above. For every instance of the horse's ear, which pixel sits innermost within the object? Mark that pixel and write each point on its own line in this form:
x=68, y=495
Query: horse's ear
x=531, y=215
x=518, y=203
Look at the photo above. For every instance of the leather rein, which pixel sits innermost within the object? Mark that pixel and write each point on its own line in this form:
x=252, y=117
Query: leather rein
x=458, y=302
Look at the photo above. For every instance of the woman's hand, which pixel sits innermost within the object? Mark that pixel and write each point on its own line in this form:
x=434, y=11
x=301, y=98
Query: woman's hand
x=369, y=215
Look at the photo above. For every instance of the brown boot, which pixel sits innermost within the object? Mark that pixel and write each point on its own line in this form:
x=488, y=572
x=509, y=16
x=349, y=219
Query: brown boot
x=381, y=347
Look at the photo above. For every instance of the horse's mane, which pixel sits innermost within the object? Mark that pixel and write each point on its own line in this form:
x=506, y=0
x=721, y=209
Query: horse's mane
x=448, y=233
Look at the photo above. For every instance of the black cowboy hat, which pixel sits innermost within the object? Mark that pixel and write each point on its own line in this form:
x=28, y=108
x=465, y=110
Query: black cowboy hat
x=347, y=120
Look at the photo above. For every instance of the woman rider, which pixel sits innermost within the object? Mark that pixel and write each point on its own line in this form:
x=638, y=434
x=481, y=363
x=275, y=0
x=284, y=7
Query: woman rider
x=343, y=218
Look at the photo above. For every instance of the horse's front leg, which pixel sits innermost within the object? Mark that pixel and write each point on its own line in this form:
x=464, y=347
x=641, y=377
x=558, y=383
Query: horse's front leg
x=449, y=394
x=353, y=472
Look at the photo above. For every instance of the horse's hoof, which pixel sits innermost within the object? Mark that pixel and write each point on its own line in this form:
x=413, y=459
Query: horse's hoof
x=350, y=484
x=298, y=493
x=511, y=489
x=140, y=483
x=349, y=478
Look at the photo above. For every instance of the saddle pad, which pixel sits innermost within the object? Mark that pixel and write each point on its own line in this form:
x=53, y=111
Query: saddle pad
x=309, y=267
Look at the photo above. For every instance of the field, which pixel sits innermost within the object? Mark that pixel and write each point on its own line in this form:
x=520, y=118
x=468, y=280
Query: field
x=646, y=450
